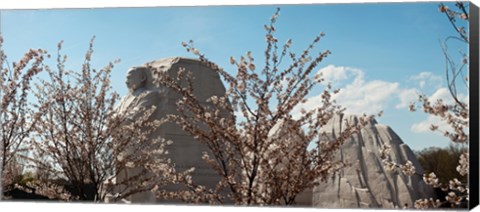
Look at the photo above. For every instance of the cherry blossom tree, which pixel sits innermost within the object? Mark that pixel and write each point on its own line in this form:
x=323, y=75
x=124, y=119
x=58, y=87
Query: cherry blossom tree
x=455, y=114
x=82, y=140
x=265, y=153
x=16, y=118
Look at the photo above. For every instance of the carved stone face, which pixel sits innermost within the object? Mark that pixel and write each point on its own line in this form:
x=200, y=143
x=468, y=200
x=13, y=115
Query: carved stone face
x=135, y=79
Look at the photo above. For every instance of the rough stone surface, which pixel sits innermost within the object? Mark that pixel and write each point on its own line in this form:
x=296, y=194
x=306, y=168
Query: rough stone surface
x=185, y=152
x=366, y=183
x=142, y=95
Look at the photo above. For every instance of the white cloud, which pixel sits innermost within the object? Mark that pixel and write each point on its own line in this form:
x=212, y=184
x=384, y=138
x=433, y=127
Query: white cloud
x=444, y=94
x=366, y=97
x=441, y=93
x=407, y=96
x=427, y=79
x=359, y=96
x=424, y=126
x=336, y=74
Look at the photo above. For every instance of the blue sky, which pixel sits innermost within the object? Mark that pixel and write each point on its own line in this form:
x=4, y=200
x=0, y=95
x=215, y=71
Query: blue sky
x=382, y=53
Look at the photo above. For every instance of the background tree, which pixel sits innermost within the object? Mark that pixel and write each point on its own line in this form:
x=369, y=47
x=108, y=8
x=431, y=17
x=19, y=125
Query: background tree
x=442, y=161
x=16, y=117
x=257, y=163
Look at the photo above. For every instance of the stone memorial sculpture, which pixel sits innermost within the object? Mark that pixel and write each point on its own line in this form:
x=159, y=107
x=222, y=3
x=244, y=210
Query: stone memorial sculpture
x=185, y=152
x=142, y=96
x=364, y=184
x=367, y=183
